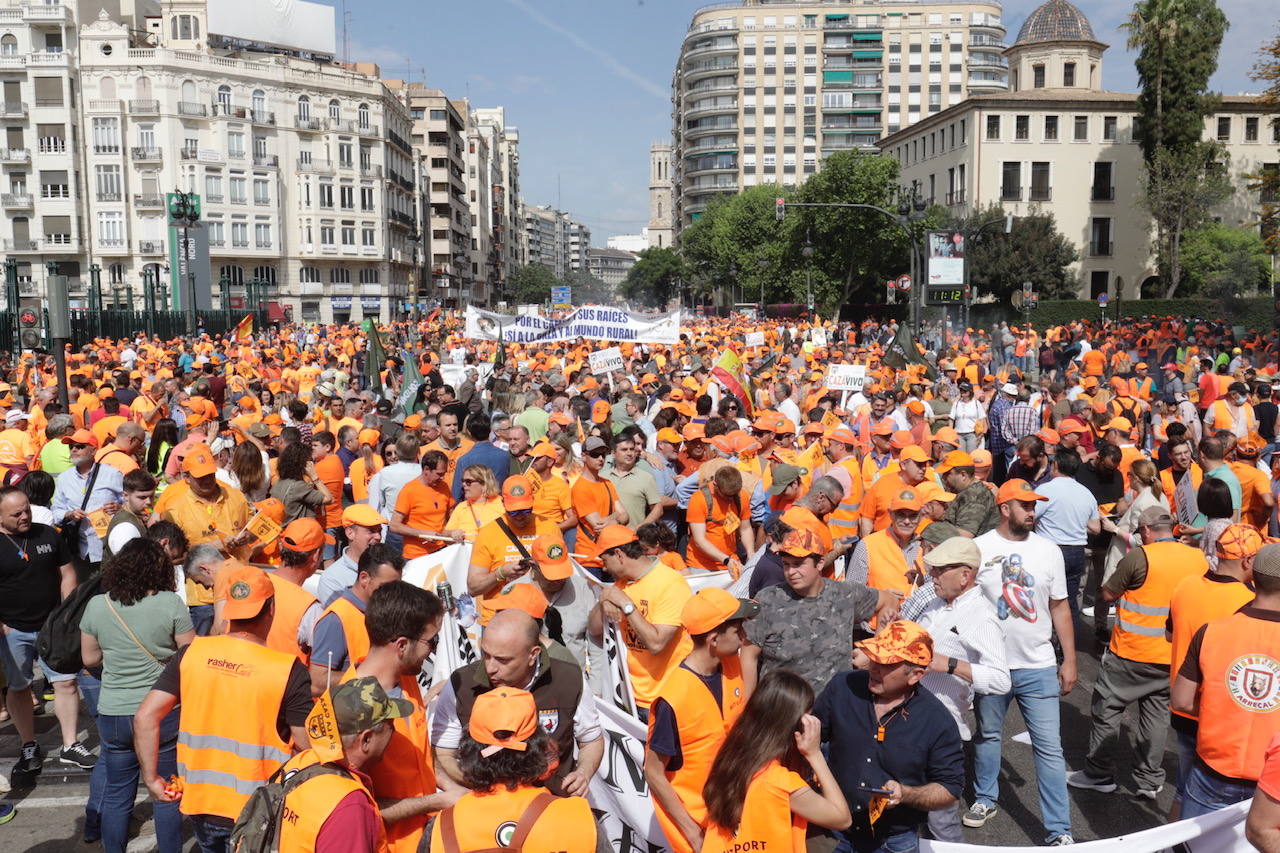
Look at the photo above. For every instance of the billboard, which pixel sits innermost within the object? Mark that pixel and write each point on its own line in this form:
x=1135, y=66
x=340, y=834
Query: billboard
x=185, y=258
x=946, y=257
x=282, y=23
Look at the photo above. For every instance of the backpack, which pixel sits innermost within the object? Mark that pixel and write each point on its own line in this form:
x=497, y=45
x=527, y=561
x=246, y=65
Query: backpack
x=58, y=642
x=257, y=829
x=538, y=805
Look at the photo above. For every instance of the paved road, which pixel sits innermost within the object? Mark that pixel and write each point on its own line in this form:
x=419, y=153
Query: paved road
x=51, y=816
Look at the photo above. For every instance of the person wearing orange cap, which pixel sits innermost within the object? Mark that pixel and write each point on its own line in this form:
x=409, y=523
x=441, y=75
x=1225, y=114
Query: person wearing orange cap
x=17, y=452
x=695, y=707
x=883, y=559
x=596, y=502
x=404, y=624
x=646, y=603
x=233, y=732
x=879, y=455
x=508, y=800
x=1023, y=575
x=912, y=466
x=719, y=517
x=340, y=637
x=84, y=489
x=1257, y=503
x=552, y=501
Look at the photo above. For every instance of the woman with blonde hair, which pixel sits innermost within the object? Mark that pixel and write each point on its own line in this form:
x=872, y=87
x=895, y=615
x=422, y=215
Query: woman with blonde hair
x=481, y=504
x=1144, y=492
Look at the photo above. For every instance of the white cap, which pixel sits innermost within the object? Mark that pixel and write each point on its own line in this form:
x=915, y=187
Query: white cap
x=12, y=416
x=1010, y=389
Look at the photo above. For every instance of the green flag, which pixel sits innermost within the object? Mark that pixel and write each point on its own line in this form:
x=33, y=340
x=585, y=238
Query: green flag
x=409, y=399
x=374, y=357
x=500, y=357
x=903, y=351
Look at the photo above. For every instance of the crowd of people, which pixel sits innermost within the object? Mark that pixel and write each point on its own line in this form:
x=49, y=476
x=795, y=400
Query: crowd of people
x=891, y=567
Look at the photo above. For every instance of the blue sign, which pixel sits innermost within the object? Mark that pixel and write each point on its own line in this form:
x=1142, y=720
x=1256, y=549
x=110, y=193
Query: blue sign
x=1102, y=299
x=341, y=302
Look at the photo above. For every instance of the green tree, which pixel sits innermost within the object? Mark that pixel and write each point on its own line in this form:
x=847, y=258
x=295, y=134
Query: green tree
x=1180, y=188
x=654, y=279
x=587, y=289
x=736, y=249
x=1177, y=43
x=1267, y=182
x=1222, y=261
x=531, y=284
x=1034, y=250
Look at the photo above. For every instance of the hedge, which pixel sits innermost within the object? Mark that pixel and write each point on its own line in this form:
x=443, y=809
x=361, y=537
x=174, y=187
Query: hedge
x=1251, y=313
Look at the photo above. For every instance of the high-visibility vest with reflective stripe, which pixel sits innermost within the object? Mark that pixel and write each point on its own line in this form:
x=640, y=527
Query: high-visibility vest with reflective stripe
x=1196, y=602
x=1239, y=694
x=309, y=805
x=353, y=629
x=843, y=520
x=228, y=745
x=292, y=602
x=1141, y=612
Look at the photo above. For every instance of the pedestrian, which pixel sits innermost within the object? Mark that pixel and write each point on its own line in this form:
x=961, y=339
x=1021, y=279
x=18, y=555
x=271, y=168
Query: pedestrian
x=340, y=638
x=362, y=526
x=974, y=509
x=1067, y=518
x=756, y=795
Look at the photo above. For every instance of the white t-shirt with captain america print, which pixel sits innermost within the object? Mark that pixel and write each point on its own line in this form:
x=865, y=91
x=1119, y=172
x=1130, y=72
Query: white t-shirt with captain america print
x=1020, y=578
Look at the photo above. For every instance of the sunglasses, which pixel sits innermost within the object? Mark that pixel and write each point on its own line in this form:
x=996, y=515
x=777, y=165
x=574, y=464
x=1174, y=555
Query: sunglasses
x=467, y=481
x=598, y=454
x=520, y=513
x=78, y=446
x=432, y=644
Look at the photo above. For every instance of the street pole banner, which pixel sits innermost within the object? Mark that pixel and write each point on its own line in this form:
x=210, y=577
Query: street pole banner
x=456, y=374
x=946, y=257
x=1220, y=832
x=592, y=322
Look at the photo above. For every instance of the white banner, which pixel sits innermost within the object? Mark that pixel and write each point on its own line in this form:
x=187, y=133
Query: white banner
x=456, y=374
x=754, y=339
x=846, y=377
x=618, y=792
x=818, y=337
x=1220, y=832
x=592, y=322
x=605, y=360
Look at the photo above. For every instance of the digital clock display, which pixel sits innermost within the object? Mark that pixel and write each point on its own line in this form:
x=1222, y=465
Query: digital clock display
x=945, y=296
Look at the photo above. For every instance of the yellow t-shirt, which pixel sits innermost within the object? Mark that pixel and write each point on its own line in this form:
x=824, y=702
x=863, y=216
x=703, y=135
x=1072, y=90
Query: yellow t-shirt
x=659, y=597
x=551, y=498
x=206, y=521
x=493, y=549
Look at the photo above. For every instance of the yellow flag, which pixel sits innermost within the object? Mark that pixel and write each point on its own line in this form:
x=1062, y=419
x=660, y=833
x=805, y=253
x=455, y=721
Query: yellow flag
x=244, y=329
x=322, y=730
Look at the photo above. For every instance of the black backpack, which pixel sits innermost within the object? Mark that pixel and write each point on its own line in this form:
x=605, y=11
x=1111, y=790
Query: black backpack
x=58, y=642
x=257, y=829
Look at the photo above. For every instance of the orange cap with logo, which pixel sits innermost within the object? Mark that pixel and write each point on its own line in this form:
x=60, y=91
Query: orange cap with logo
x=305, y=535
x=199, y=461
x=1018, y=489
x=552, y=558
x=613, y=536
x=503, y=718
x=517, y=493
x=248, y=588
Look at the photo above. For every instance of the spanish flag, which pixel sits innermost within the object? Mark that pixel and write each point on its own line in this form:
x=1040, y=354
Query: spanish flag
x=728, y=372
x=244, y=329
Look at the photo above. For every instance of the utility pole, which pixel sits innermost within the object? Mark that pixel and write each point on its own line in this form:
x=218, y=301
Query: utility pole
x=184, y=211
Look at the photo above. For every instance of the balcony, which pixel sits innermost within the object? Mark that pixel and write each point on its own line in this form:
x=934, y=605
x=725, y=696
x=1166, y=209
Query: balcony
x=21, y=245
x=262, y=244
x=316, y=166
x=14, y=156
x=1041, y=193
x=46, y=13
x=59, y=243
x=311, y=124
x=144, y=107
x=12, y=62
x=109, y=148
x=703, y=109
x=708, y=69
x=13, y=109
x=115, y=196
x=705, y=50
x=1105, y=194
x=17, y=201
x=1008, y=193
x=189, y=108
x=367, y=171
x=113, y=245
x=262, y=202
x=140, y=154
x=367, y=129
x=955, y=197
x=47, y=59
x=100, y=106
x=213, y=198
x=1100, y=248
x=151, y=247
x=980, y=40
x=264, y=117
x=266, y=161
x=986, y=60
x=221, y=110
x=148, y=202
x=983, y=81
x=52, y=145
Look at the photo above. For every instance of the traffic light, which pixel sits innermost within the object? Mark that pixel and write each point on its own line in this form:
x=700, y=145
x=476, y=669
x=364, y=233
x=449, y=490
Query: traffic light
x=30, y=336
x=780, y=209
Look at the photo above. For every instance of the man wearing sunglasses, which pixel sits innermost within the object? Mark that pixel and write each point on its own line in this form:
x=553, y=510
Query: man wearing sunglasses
x=503, y=549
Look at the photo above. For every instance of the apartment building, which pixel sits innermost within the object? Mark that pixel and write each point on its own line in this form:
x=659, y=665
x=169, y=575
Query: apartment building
x=610, y=265
x=547, y=238
x=765, y=89
x=1058, y=143
x=579, y=241
x=506, y=208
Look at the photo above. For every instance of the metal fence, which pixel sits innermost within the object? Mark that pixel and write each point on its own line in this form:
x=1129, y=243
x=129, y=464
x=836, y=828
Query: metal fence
x=87, y=324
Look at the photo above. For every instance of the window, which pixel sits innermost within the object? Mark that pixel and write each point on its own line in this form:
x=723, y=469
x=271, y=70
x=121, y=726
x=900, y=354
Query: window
x=1251, y=129
x=339, y=275
x=1011, y=181
x=1102, y=182
x=344, y=155
x=260, y=148
x=107, y=182
x=1050, y=128
x=262, y=235
x=224, y=98
x=259, y=102
x=326, y=236
x=235, y=145
x=366, y=198
x=147, y=136
x=993, y=128
x=348, y=234
x=304, y=108
x=1081, y=132
x=185, y=27
x=53, y=184
x=1022, y=128
x=213, y=187
x=362, y=116
x=326, y=195
x=1040, y=189
x=369, y=276
x=1100, y=236
x=106, y=136
x=1037, y=76
x=368, y=237
x=240, y=234
x=217, y=234
x=1109, y=124
x=1224, y=128
x=346, y=197
x=309, y=275
x=239, y=193
x=1098, y=283
x=335, y=110
x=261, y=191
x=436, y=115
x=110, y=228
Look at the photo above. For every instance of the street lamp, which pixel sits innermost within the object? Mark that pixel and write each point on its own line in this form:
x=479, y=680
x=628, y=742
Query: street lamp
x=763, y=263
x=807, y=251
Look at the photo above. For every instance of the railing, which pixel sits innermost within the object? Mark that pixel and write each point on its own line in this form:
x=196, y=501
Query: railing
x=144, y=107
x=151, y=247
x=301, y=123
x=115, y=196
x=1011, y=193
x=147, y=201
x=367, y=129
x=111, y=243
x=146, y=155
x=850, y=25
x=371, y=171
x=1100, y=248
x=44, y=11
x=262, y=116
x=13, y=108
x=12, y=61
x=96, y=105
x=52, y=145
x=17, y=200
x=955, y=197
x=219, y=109
x=15, y=155
x=47, y=58
x=716, y=47
x=21, y=245
x=315, y=165
x=188, y=108
x=1041, y=193
x=262, y=244
x=1106, y=194
x=262, y=202
x=266, y=160
x=58, y=241
x=109, y=148
x=213, y=198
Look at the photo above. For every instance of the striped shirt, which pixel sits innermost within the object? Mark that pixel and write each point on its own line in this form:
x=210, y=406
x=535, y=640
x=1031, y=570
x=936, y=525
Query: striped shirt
x=966, y=629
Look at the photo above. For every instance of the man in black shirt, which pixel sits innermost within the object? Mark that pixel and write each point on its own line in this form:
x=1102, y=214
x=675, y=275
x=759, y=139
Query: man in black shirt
x=1101, y=476
x=36, y=573
x=1265, y=411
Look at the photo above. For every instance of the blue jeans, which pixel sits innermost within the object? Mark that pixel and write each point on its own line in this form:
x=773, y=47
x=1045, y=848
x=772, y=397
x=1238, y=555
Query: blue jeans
x=90, y=688
x=201, y=618
x=211, y=837
x=122, y=774
x=1205, y=793
x=1037, y=693
x=907, y=841
x=1186, y=760
x=1073, y=559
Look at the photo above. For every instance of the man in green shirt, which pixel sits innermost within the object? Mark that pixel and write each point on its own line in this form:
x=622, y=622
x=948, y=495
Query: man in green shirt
x=55, y=456
x=637, y=489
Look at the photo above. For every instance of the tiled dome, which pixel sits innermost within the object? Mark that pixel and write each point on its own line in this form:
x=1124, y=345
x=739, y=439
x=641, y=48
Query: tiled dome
x=1056, y=20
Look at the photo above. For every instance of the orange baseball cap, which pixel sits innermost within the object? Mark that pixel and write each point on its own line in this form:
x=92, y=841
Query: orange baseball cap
x=1017, y=489
x=908, y=499
x=694, y=432
x=843, y=435
x=914, y=454
x=814, y=428
x=588, y=384
x=782, y=425
x=1122, y=424
x=413, y=421
x=900, y=641
x=363, y=515
x=81, y=436
x=670, y=436
x=955, y=459
x=272, y=508
x=561, y=418
x=248, y=589
x=915, y=407
x=885, y=427
x=542, y=449
x=552, y=558
x=677, y=395
x=981, y=458
x=802, y=543
x=947, y=435
x=1239, y=541
x=1067, y=427
x=522, y=596
x=306, y=534
x=600, y=410
x=648, y=379
x=199, y=461
x=931, y=491
x=517, y=493
x=1049, y=436
x=613, y=536
x=370, y=437
x=503, y=709
x=710, y=608
x=901, y=439
x=763, y=422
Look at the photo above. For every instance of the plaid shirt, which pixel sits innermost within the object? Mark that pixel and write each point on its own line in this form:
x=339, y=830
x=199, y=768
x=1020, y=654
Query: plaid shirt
x=1021, y=419
x=995, y=421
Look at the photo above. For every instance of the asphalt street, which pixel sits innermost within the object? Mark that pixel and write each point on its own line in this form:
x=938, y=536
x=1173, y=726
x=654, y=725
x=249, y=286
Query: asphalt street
x=50, y=816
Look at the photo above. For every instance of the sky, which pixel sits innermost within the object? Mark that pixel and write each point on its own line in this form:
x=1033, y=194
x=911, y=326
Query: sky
x=588, y=82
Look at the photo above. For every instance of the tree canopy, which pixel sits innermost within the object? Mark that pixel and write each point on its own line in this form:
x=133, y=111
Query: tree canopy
x=654, y=279
x=1033, y=251
x=1221, y=261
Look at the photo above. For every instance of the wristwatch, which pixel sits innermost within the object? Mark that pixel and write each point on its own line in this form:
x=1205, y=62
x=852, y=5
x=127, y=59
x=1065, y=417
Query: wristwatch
x=726, y=560
x=951, y=666
x=628, y=609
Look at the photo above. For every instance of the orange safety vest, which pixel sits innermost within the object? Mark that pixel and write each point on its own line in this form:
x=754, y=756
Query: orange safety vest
x=703, y=726
x=843, y=520
x=292, y=602
x=482, y=818
x=1141, y=612
x=405, y=767
x=1197, y=602
x=353, y=629
x=1220, y=417
x=886, y=563
x=228, y=745
x=1239, y=694
x=309, y=805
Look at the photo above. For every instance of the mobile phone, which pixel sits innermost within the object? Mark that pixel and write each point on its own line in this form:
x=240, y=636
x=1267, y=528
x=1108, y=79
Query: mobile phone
x=884, y=791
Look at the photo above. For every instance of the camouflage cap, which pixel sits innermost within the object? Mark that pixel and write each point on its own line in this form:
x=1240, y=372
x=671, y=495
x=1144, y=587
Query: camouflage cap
x=360, y=704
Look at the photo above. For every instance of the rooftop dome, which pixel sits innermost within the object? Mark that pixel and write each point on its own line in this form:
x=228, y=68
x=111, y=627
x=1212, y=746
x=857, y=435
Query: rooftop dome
x=1056, y=20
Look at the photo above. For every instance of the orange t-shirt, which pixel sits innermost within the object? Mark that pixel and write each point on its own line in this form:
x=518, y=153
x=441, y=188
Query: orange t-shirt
x=1095, y=362
x=424, y=508
x=1269, y=781
x=591, y=496
x=767, y=821
x=329, y=470
x=875, y=504
x=723, y=517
